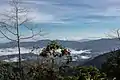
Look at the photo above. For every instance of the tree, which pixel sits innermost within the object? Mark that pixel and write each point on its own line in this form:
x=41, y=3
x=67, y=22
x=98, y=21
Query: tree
x=112, y=66
x=114, y=34
x=54, y=58
x=12, y=22
x=90, y=73
x=54, y=50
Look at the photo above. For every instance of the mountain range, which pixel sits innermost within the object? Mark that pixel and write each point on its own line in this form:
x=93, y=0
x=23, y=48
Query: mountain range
x=100, y=45
x=94, y=48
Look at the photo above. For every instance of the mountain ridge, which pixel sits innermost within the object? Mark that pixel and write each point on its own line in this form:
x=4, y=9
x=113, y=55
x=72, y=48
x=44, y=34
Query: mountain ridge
x=99, y=60
x=100, y=45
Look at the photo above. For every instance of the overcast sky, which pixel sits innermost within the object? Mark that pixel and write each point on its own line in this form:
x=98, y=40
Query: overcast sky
x=73, y=19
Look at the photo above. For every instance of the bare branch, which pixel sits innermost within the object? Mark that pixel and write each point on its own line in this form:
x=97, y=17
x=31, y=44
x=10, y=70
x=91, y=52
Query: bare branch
x=3, y=24
x=118, y=34
x=24, y=21
x=33, y=35
x=115, y=34
x=10, y=17
x=14, y=3
x=22, y=10
x=31, y=29
x=10, y=31
x=6, y=36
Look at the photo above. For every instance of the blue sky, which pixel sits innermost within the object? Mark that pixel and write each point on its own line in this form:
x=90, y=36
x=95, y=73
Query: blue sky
x=74, y=19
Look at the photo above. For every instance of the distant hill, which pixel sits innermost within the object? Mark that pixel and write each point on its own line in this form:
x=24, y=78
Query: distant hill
x=101, y=45
x=99, y=60
x=96, y=47
x=84, y=40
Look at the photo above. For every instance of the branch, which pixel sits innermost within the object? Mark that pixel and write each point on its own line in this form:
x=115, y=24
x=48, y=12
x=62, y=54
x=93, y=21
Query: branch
x=31, y=29
x=118, y=34
x=14, y=3
x=6, y=36
x=33, y=35
x=5, y=24
x=10, y=31
x=11, y=17
x=115, y=34
x=24, y=21
x=24, y=10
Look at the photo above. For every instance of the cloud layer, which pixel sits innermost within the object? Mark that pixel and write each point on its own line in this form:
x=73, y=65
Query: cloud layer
x=76, y=14
x=51, y=11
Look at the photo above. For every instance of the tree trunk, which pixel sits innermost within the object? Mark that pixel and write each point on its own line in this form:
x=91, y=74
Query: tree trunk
x=18, y=45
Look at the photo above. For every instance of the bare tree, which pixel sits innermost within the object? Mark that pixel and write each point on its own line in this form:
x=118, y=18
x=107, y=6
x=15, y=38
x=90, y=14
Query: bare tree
x=12, y=22
x=114, y=34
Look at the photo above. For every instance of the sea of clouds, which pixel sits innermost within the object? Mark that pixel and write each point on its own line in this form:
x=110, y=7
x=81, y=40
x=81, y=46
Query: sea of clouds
x=9, y=51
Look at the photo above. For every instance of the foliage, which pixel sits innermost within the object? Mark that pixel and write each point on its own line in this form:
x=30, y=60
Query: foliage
x=51, y=49
x=93, y=73
x=9, y=71
x=44, y=71
x=55, y=50
x=112, y=66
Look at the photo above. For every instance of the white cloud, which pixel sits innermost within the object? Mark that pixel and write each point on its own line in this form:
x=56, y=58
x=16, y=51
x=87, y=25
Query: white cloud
x=40, y=17
x=111, y=11
x=34, y=14
x=36, y=2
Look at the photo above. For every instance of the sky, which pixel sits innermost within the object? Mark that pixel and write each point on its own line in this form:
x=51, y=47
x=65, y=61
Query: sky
x=73, y=19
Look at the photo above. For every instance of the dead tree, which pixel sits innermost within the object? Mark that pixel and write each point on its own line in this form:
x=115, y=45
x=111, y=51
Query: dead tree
x=11, y=23
x=114, y=34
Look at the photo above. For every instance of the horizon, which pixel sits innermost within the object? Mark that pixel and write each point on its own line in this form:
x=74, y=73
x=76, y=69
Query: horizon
x=71, y=20
x=81, y=40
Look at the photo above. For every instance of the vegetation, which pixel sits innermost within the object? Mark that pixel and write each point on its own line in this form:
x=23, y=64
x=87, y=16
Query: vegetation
x=48, y=69
x=54, y=64
x=112, y=66
x=13, y=20
x=52, y=69
x=41, y=72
